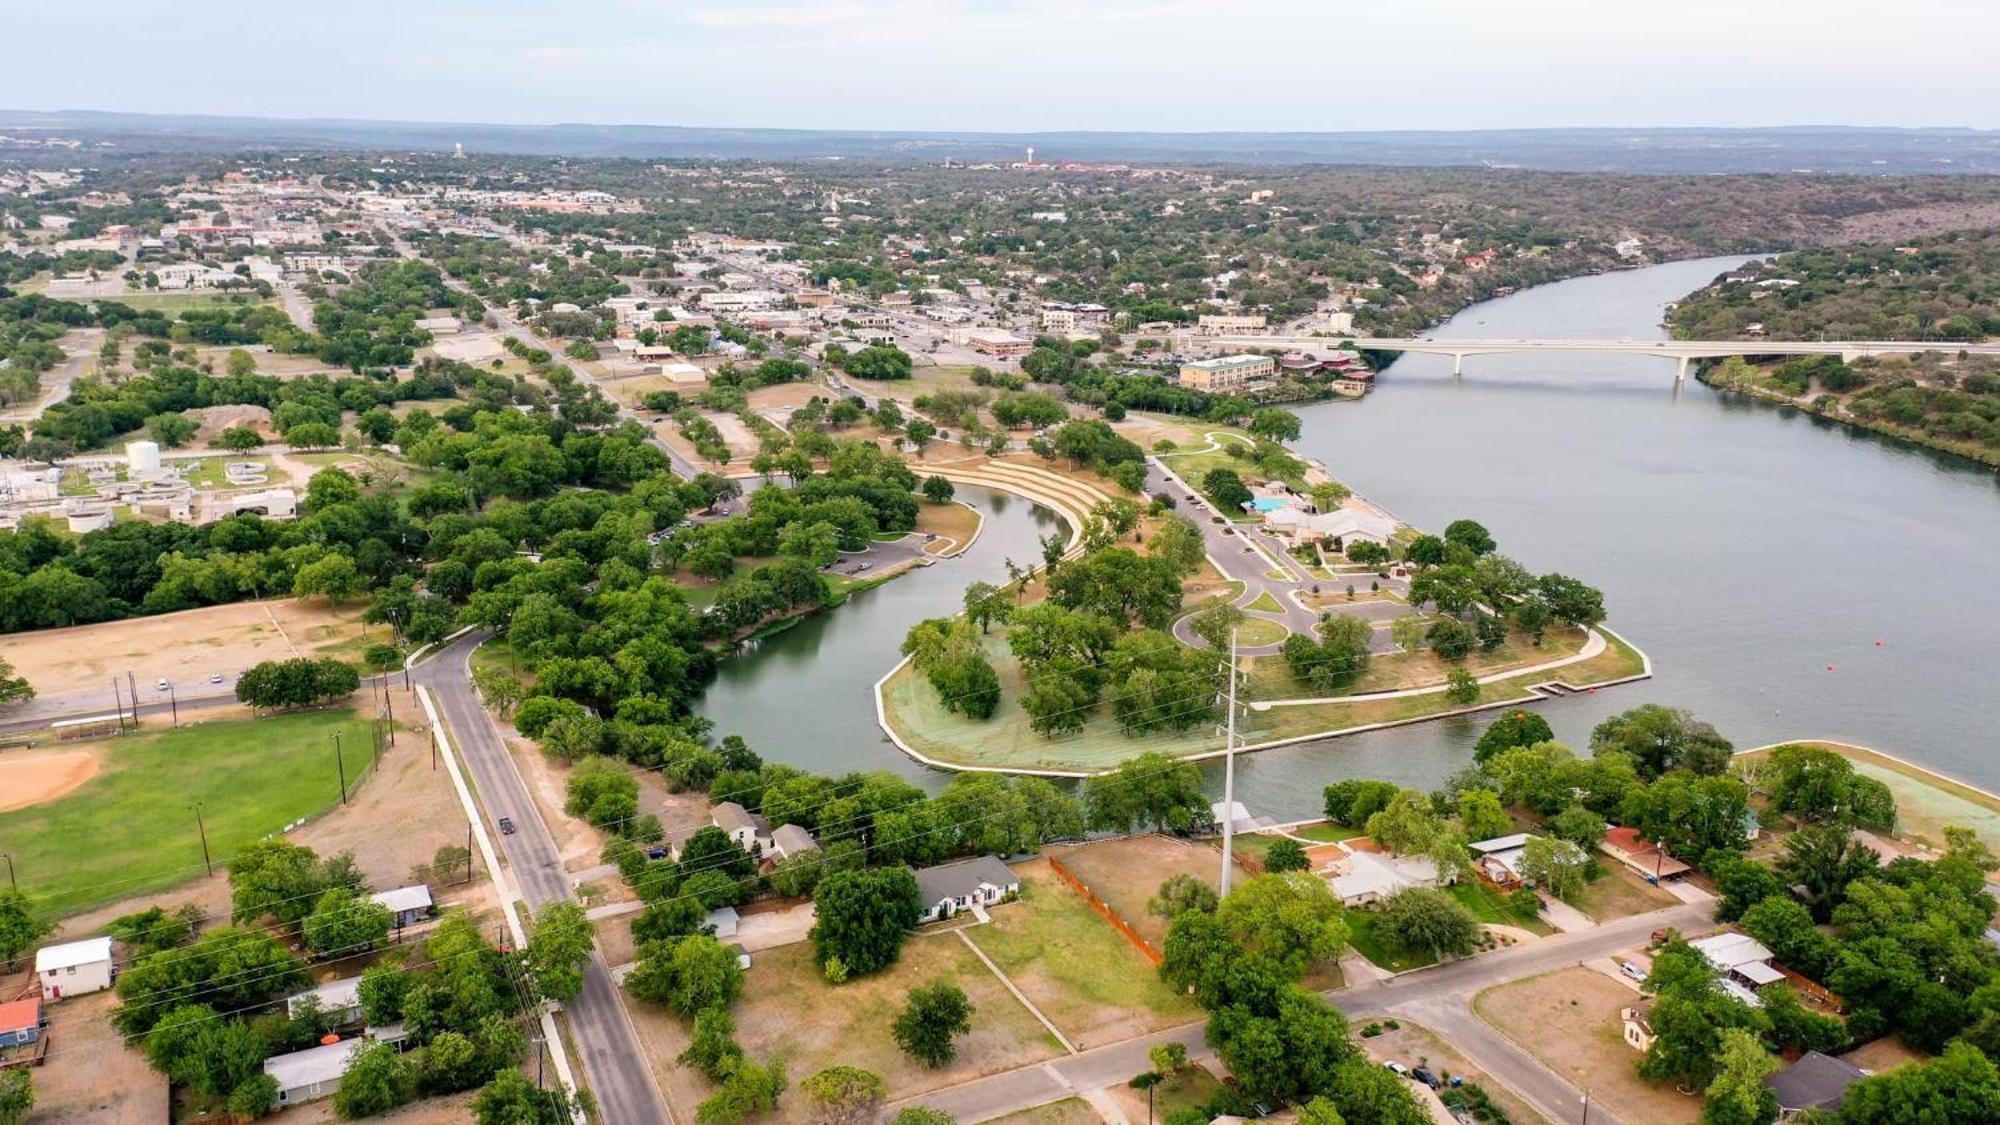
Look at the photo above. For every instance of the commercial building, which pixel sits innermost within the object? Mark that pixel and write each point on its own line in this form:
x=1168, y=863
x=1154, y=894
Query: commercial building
x=1228, y=374
x=1222, y=325
x=992, y=342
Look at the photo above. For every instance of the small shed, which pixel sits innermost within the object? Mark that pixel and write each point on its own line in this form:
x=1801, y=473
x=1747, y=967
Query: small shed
x=409, y=904
x=20, y=1022
x=723, y=922
x=314, y=1073
x=74, y=968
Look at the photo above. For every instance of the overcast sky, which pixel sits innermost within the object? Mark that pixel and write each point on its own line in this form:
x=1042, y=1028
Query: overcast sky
x=1021, y=65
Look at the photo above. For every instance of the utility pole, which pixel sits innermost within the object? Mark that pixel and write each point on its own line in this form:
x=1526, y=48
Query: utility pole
x=203, y=829
x=1229, y=773
x=11, y=884
x=132, y=686
x=118, y=702
x=174, y=701
x=341, y=761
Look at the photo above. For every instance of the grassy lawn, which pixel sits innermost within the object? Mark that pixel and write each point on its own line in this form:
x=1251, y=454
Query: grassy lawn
x=1257, y=631
x=1266, y=603
x=1190, y=1089
x=1489, y=905
x=1069, y=1111
x=129, y=830
x=1325, y=831
x=1364, y=933
x=1083, y=974
x=1619, y=893
x=208, y=471
x=174, y=301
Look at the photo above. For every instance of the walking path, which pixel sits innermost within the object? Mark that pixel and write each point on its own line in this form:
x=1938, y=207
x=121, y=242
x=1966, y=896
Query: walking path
x=1018, y=994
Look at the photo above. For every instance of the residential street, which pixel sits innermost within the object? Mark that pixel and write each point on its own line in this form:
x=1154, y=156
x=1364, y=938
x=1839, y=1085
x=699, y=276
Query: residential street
x=1440, y=998
x=617, y=1071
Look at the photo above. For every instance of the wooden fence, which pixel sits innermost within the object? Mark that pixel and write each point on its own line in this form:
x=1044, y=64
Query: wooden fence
x=1110, y=915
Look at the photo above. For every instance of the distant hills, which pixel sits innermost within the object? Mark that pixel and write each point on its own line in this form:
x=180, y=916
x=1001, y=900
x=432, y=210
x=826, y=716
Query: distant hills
x=1691, y=150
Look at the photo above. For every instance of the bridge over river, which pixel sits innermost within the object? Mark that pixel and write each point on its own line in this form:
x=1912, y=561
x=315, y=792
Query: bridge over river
x=1685, y=351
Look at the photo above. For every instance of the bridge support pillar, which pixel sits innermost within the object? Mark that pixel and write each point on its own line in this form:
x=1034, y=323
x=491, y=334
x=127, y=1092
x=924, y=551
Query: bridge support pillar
x=1458, y=363
x=1681, y=370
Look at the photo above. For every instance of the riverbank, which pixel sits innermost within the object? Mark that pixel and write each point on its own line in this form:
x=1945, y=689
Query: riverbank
x=1755, y=381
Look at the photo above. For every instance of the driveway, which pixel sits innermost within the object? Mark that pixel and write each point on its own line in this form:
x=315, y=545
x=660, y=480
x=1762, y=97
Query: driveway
x=770, y=929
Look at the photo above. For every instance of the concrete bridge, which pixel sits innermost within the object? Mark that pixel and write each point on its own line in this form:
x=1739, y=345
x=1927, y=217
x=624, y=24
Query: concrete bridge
x=1685, y=351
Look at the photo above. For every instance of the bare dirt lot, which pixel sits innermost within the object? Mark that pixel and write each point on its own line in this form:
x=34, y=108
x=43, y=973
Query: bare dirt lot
x=1125, y=873
x=90, y=1076
x=179, y=646
x=33, y=776
x=1569, y=1020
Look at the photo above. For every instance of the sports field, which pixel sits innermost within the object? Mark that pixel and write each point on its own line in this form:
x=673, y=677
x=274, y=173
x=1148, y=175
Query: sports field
x=130, y=828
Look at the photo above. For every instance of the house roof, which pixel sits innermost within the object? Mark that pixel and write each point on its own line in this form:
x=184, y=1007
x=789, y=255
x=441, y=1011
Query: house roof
x=1501, y=843
x=956, y=880
x=790, y=840
x=732, y=817
x=23, y=1013
x=70, y=955
x=333, y=996
x=405, y=898
x=724, y=919
x=1816, y=1081
x=1383, y=875
x=312, y=1065
x=1759, y=973
x=1730, y=951
x=1629, y=843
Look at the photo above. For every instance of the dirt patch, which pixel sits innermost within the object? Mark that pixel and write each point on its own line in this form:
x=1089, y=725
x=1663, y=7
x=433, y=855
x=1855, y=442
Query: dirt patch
x=1127, y=872
x=1886, y=1053
x=1569, y=1020
x=36, y=776
x=954, y=524
x=90, y=1075
x=783, y=398
x=212, y=420
x=178, y=646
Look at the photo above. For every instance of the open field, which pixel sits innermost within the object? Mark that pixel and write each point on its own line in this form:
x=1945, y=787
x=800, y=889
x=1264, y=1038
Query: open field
x=131, y=829
x=1569, y=1020
x=176, y=300
x=788, y=1009
x=1083, y=974
x=1069, y=1111
x=1126, y=872
x=179, y=646
x=953, y=521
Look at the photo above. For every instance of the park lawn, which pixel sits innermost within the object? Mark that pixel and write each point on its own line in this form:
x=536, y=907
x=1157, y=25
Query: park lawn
x=1256, y=631
x=174, y=301
x=1364, y=933
x=1264, y=602
x=1190, y=1089
x=1489, y=905
x=1088, y=978
x=130, y=830
x=1620, y=893
x=207, y=472
x=1324, y=831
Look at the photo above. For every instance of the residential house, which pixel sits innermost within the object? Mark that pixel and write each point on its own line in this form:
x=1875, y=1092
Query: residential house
x=1365, y=877
x=74, y=968
x=338, y=1001
x=951, y=887
x=1814, y=1083
x=748, y=829
x=1638, y=1021
x=1741, y=960
x=1499, y=859
x=788, y=840
x=20, y=1022
x=410, y=905
x=314, y=1073
x=1644, y=857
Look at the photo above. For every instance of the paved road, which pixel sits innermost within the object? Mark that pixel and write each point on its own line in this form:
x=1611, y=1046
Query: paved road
x=57, y=383
x=296, y=305
x=612, y=1059
x=1439, y=998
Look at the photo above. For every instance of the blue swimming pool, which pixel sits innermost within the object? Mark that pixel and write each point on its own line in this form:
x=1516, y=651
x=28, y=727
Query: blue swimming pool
x=1269, y=504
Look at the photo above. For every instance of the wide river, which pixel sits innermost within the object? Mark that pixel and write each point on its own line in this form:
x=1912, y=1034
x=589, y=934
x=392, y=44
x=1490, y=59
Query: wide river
x=1788, y=577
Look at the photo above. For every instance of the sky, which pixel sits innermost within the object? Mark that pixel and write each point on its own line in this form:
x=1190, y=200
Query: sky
x=1021, y=65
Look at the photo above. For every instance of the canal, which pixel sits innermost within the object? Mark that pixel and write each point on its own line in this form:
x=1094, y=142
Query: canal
x=1757, y=554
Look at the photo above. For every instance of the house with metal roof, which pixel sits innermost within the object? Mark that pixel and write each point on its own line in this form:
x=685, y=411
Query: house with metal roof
x=313, y=1073
x=74, y=968
x=338, y=1001
x=410, y=905
x=949, y=888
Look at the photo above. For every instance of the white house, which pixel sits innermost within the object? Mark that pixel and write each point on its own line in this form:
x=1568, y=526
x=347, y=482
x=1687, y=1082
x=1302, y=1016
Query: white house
x=1743, y=962
x=788, y=840
x=1365, y=877
x=410, y=905
x=1638, y=1021
x=748, y=829
x=951, y=887
x=1341, y=528
x=307, y=1075
x=1500, y=858
x=74, y=968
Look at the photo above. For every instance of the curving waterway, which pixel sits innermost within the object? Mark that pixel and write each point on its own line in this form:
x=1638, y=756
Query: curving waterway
x=1756, y=553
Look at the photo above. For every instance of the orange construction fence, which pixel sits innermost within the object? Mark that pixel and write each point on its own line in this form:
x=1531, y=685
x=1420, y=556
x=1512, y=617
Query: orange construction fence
x=1111, y=916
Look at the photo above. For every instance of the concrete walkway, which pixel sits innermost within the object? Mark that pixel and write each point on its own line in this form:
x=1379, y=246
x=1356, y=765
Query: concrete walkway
x=1018, y=994
x=1566, y=918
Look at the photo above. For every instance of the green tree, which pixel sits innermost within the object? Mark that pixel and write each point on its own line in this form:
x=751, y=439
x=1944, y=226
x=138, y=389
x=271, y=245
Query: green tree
x=712, y=1048
x=1960, y=1085
x=1738, y=1095
x=1482, y=816
x=1555, y=865
x=845, y=1095
x=863, y=916
x=558, y=950
x=688, y=974
x=1659, y=739
x=1290, y=920
x=938, y=490
x=1178, y=540
x=1226, y=489
x=1579, y=826
x=1275, y=424
x=172, y=430
x=13, y=689
x=344, y=923
x=922, y=1115
x=1181, y=893
x=1407, y=824
x=1824, y=859
x=1426, y=918
x=1354, y=801
x=20, y=930
x=934, y=1015
x=17, y=1095
x=1154, y=789
x=512, y=1098
x=1461, y=687
x=378, y=1079
x=1285, y=854
x=195, y=1047
x=986, y=604
x=746, y=1090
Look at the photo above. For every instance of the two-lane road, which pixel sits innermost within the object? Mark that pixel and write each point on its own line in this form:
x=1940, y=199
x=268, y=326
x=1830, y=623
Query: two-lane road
x=612, y=1058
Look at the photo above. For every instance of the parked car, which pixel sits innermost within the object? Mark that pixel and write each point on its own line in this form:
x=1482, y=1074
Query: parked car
x=1397, y=1067
x=506, y=826
x=1633, y=971
x=1426, y=1077
x=162, y=685
x=215, y=678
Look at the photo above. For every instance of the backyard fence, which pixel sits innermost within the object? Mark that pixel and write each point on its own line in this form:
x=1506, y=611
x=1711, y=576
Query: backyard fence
x=1110, y=915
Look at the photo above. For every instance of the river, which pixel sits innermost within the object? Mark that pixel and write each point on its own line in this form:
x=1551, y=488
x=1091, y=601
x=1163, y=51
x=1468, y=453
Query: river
x=1757, y=554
